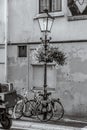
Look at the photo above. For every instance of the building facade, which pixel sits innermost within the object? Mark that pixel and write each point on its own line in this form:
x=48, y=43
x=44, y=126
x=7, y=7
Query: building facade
x=19, y=30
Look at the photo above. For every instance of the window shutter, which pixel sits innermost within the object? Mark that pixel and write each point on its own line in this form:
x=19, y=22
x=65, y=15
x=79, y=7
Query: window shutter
x=51, y=5
x=44, y=4
x=56, y=5
x=48, y=5
x=41, y=5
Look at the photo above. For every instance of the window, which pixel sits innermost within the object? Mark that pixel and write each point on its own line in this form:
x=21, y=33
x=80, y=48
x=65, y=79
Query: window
x=22, y=51
x=51, y=5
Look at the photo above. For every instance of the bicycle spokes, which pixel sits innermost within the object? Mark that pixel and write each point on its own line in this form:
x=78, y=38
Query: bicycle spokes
x=30, y=108
x=44, y=112
x=58, y=110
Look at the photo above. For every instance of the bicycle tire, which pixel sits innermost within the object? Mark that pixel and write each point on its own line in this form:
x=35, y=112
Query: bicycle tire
x=6, y=122
x=58, y=110
x=46, y=115
x=18, y=110
x=19, y=97
x=30, y=108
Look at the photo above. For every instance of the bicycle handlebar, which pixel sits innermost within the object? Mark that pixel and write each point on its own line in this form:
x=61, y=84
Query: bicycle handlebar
x=48, y=94
x=32, y=90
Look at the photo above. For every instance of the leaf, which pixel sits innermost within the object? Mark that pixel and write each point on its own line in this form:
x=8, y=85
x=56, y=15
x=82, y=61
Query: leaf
x=52, y=54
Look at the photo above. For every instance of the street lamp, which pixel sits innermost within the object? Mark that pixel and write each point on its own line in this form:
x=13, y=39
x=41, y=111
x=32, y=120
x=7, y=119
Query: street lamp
x=45, y=21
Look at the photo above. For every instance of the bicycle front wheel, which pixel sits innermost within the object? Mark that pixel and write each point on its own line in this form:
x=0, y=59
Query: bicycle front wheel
x=44, y=112
x=58, y=110
x=18, y=110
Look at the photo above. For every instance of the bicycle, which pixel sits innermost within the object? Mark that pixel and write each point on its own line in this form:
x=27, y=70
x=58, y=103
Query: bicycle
x=5, y=119
x=19, y=108
x=37, y=105
x=58, y=110
x=44, y=109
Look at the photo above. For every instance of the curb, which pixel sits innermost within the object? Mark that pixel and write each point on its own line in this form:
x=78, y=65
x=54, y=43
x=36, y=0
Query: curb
x=41, y=126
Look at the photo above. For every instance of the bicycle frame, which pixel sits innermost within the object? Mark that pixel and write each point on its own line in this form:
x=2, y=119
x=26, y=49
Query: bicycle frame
x=44, y=104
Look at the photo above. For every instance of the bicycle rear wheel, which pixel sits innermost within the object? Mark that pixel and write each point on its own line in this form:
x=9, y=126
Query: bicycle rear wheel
x=30, y=109
x=18, y=110
x=58, y=110
x=44, y=111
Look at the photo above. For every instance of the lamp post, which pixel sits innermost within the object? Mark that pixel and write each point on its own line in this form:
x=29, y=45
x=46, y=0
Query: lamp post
x=45, y=21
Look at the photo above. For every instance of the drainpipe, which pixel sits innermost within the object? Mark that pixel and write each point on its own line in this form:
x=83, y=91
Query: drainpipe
x=6, y=36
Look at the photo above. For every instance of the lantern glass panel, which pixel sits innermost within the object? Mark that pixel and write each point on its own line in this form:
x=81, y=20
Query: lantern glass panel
x=45, y=24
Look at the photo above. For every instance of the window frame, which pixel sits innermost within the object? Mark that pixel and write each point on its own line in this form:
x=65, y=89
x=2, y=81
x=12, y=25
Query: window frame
x=50, y=4
x=20, y=55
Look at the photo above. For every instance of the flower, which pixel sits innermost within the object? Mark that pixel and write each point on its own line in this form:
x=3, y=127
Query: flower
x=52, y=54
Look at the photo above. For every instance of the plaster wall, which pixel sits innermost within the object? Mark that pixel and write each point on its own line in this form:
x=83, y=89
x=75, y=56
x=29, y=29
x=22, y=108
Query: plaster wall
x=21, y=14
x=71, y=79
x=2, y=40
x=2, y=22
x=23, y=27
x=2, y=64
x=17, y=69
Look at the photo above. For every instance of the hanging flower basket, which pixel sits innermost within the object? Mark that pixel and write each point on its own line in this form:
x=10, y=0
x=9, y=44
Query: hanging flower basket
x=52, y=54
